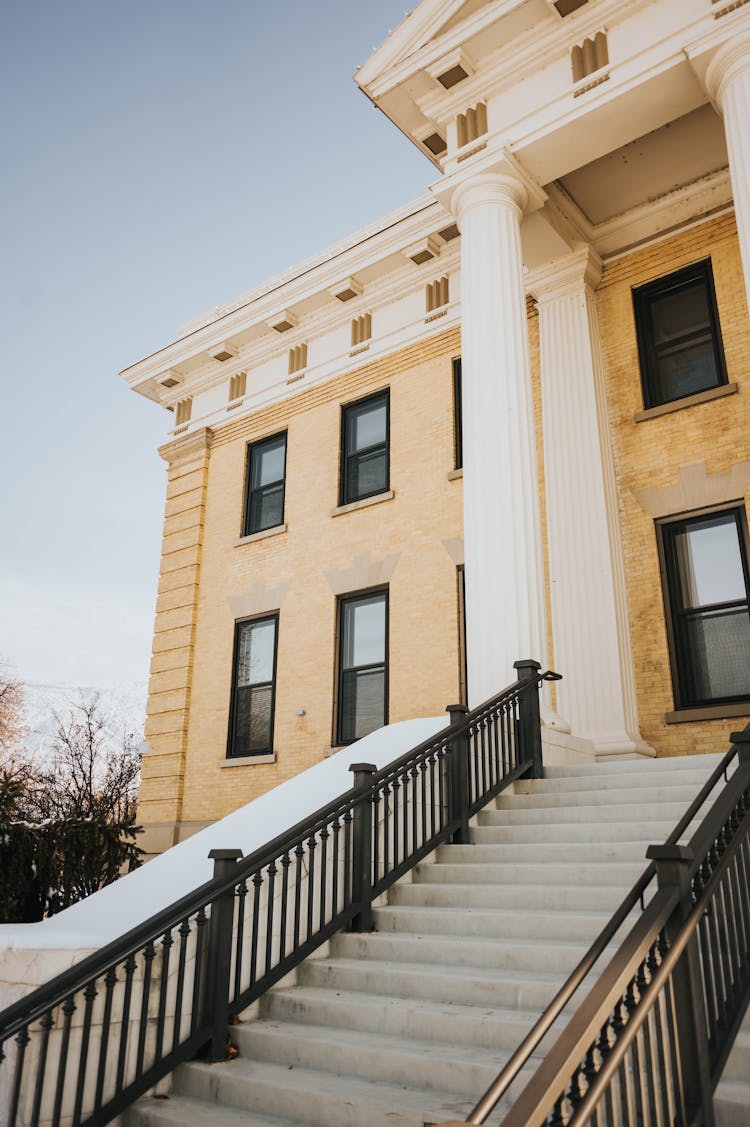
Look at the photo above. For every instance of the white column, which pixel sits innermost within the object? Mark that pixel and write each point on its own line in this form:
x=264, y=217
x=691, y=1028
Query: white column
x=590, y=629
x=505, y=612
x=728, y=83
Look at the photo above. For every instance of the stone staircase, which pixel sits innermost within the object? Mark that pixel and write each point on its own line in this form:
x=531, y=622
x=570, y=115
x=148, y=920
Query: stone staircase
x=407, y=1026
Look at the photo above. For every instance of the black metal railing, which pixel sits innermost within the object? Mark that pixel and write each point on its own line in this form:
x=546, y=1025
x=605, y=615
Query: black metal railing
x=82, y=1048
x=648, y=1043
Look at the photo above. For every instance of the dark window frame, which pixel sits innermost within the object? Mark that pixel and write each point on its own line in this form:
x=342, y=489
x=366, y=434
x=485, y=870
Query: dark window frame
x=249, y=492
x=272, y=616
x=341, y=600
x=665, y=529
x=458, y=418
x=345, y=455
x=643, y=296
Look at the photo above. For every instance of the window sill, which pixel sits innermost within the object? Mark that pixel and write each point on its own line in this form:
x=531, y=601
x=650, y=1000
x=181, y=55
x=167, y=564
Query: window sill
x=275, y=531
x=364, y=504
x=708, y=712
x=689, y=401
x=455, y=475
x=247, y=760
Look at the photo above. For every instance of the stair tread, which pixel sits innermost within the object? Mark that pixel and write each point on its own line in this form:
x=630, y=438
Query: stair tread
x=466, y=972
x=333, y=1035
x=202, y=1113
x=313, y=994
x=348, y=1089
x=529, y=913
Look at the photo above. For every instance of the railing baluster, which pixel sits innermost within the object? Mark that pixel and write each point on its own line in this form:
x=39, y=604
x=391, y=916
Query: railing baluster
x=184, y=933
x=239, y=945
x=299, y=854
x=323, y=876
x=311, y=843
x=148, y=958
x=270, y=908
x=257, y=882
x=201, y=921
x=336, y=828
x=46, y=1023
x=89, y=995
x=129, y=969
x=164, y=983
x=110, y=979
x=22, y=1041
x=285, y=862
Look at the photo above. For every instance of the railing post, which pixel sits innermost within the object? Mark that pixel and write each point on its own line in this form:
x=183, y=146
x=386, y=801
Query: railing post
x=458, y=776
x=529, y=716
x=219, y=956
x=742, y=742
x=362, y=850
x=673, y=870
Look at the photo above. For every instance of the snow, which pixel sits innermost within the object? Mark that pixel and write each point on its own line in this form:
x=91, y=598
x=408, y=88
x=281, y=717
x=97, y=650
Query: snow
x=134, y=898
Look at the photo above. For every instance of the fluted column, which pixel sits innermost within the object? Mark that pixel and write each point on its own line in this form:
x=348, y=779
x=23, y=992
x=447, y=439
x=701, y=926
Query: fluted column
x=590, y=629
x=728, y=83
x=505, y=613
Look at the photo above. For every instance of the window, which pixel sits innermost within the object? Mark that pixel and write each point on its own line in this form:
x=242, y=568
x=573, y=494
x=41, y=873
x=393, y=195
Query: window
x=679, y=340
x=706, y=592
x=363, y=665
x=253, y=687
x=364, y=442
x=266, y=466
x=458, y=438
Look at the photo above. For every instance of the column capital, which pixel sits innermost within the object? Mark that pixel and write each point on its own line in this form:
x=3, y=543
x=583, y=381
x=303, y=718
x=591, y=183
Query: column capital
x=580, y=270
x=729, y=61
x=498, y=179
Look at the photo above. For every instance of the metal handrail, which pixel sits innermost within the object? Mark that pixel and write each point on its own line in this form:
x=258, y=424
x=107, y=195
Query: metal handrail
x=578, y=976
x=685, y=876
x=257, y=918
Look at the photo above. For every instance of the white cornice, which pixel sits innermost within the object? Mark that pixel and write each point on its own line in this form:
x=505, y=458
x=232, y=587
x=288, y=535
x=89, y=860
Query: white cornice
x=422, y=219
x=341, y=363
x=398, y=283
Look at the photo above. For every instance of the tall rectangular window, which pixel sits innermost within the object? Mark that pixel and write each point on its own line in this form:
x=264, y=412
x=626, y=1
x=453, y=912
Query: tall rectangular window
x=364, y=448
x=679, y=339
x=706, y=591
x=458, y=438
x=266, y=469
x=363, y=665
x=253, y=687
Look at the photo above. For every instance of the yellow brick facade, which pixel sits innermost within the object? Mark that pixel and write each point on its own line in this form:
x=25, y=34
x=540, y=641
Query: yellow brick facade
x=649, y=454
x=411, y=543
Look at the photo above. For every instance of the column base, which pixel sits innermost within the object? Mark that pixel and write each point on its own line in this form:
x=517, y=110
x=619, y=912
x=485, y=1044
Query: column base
x=619, y=745
x=560, y=749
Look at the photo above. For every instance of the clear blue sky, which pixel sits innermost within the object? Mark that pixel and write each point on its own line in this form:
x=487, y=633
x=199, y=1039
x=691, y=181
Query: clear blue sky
x=159, y=157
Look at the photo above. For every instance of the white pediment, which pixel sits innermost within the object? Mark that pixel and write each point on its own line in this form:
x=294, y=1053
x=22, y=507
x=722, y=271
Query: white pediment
x=433, y=23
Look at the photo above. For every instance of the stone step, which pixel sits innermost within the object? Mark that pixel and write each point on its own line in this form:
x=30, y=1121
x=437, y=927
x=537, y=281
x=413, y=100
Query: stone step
x=587, y=833
x=533, y=955
x=492, y=923
x=653, y=778
x=738, y=1064
x=598, y=796
x=181, y=1111
x=447, y=1066
x=487, y=862
x=517, y=811
x=638, y=766
x=420, y=1018
x=437, y=893
x=732, y=1104
x=574, y=851
x=467, y=985
x=308, y=1097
